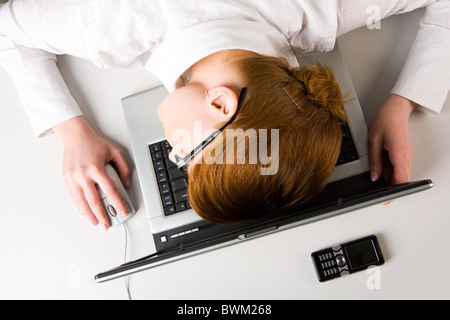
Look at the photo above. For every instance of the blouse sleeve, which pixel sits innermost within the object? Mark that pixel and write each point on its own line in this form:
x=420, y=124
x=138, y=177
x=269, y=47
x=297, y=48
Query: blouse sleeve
x=40, y=86
x=425, y=77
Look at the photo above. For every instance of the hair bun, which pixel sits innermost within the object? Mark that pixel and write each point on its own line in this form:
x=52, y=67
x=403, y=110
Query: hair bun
x=322, y=88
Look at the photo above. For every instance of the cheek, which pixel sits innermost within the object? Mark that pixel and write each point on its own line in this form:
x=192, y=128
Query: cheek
x=177, y=126
x=169, y=116
x=164, y=109
x=181, y=113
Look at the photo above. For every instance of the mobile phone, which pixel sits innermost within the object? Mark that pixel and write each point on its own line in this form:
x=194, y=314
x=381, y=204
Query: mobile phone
x=347, y=258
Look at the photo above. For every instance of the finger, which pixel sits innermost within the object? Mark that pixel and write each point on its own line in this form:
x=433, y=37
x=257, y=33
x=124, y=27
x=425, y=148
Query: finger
x=93, y=200
x=85, y=210
x=375, y=158
x=401, y=161
x=77, y=194
x=122, y=166
x=401, y=173
x=108, y=187
x=83, y=206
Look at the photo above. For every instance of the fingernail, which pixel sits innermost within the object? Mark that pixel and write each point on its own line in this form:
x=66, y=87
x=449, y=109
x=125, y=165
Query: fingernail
x=93, y=222
x=105, y=227
x=124, y=213
x=373, y=176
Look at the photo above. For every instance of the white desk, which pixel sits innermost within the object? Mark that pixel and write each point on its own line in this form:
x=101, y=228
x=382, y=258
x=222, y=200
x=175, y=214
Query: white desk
x=49, y=251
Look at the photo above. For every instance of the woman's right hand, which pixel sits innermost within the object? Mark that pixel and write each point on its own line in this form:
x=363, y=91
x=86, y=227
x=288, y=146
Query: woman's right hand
x=84, y=160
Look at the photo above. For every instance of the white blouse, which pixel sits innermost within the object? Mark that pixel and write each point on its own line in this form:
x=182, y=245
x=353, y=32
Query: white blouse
x=168, y=36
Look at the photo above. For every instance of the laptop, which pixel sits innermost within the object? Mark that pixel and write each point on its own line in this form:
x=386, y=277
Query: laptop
x=179, y=233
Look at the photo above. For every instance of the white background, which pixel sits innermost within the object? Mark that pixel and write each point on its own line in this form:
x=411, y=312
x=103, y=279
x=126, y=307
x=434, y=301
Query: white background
x=49, y=251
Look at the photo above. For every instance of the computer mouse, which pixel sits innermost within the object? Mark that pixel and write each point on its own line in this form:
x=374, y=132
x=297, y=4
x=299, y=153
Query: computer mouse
x=115, y=217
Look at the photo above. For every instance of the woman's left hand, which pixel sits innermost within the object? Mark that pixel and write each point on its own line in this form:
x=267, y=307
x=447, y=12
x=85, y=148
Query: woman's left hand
x=389, y=131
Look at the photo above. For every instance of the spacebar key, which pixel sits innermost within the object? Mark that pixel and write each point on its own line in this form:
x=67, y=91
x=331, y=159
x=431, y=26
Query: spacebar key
x=180, y=195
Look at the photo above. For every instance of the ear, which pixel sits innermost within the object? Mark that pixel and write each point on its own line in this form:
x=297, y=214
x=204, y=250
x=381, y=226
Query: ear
x=223, y=102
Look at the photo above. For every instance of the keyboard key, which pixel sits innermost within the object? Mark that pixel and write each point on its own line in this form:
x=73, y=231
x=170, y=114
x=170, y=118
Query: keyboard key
x=178, y=184
x=166, y=152
x=167, y=200
x=169, y=164
x=174, y=173
x=155, y=147
x=345, y=133
x=165, y=144
x=341, y=159
x=159, y=165
x=347, y=146
x=169, y=210
x=161, y=177
x=180, y=195
x=157, y=155
x=350, y=156
x=180, y=206
x=164, y=188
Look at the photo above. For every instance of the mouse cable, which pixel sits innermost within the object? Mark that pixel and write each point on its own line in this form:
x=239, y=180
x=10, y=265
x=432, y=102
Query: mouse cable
x=125, y=229
x=127, y=285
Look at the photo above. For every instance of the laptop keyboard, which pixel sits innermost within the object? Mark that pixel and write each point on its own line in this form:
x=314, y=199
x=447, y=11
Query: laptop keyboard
x=173, y=185
x=348, y=150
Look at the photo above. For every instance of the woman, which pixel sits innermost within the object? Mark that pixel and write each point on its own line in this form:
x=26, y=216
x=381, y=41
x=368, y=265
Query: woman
x=205, y=52
x=303, y=108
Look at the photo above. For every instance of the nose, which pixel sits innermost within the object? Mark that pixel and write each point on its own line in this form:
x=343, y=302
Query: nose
x=177, y=150
x=172, y=157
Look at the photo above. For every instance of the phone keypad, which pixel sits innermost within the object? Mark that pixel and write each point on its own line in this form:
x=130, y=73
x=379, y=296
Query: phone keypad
x=330, y=263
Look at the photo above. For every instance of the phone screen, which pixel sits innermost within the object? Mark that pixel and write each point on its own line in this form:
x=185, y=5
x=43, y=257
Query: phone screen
x=361, y=254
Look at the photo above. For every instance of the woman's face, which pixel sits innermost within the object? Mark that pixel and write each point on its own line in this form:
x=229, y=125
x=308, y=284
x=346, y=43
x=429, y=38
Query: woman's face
x=187, y=118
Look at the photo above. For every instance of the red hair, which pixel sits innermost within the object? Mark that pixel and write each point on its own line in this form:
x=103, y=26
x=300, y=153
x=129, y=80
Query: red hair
x=305, y=106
